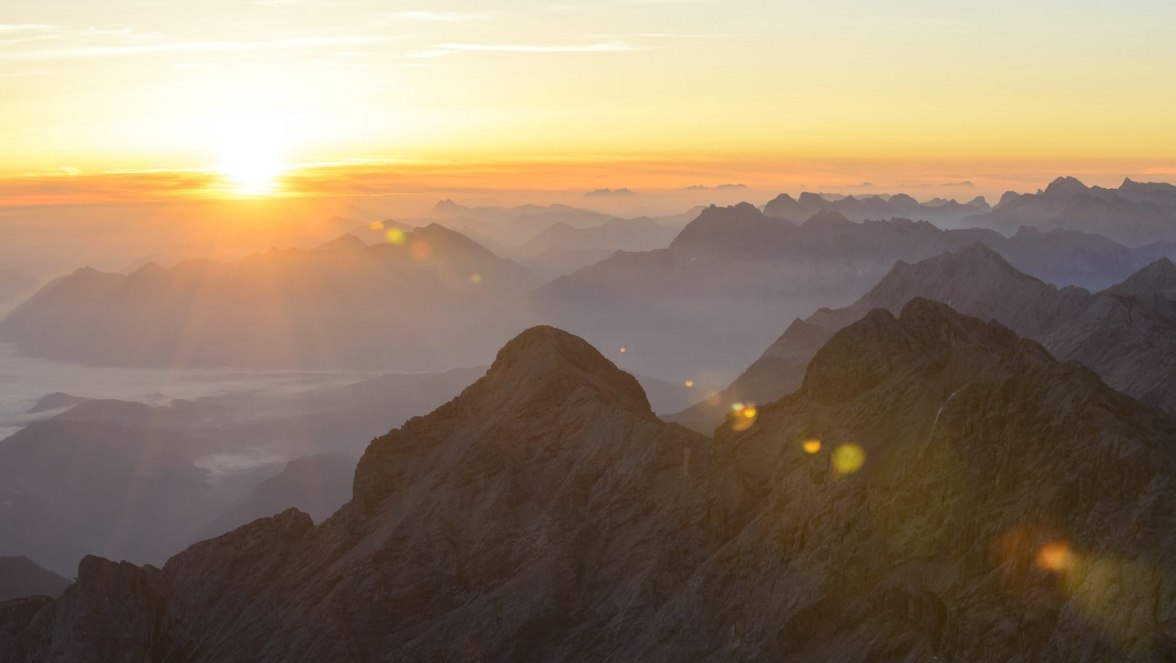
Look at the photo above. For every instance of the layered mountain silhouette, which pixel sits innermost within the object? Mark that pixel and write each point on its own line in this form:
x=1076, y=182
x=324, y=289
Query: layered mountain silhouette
x=434, y=300
x=14, y=284
x=139, y=482
x=1126, y=333
x=20, y=577
x=966, y=502
x=703, y=305
x=1135, y=213
x=641, y=234
x=873, y=208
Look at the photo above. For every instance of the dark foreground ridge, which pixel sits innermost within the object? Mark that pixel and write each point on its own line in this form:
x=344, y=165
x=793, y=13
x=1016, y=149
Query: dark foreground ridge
x=970, y=498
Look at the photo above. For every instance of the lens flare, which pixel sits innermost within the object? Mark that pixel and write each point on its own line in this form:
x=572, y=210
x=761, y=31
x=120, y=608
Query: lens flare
x=812, y=447
x=848, y=458
x=1055, y=556
x=420, y=249
x=743, y=416
x=395, y=236
x=376, y=226
x=689, y=384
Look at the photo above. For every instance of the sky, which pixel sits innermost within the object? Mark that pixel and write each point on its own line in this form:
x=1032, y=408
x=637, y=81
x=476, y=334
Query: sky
x=114, y=98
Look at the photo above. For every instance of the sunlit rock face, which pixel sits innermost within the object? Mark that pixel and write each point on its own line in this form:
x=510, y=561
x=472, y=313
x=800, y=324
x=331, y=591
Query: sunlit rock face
x=937, y=487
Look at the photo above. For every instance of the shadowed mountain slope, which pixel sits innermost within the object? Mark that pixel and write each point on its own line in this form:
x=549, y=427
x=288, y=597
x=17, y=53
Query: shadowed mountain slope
x=1126, y=333
x=974, y=500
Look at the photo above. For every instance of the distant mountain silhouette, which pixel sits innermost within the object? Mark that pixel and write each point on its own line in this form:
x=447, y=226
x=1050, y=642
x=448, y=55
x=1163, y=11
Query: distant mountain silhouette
x=14, y=284
x=1134, y=214
x=434, y=299
x=554, y=262
x=1126, y=333
x=970, y=498
x=317, y=484
x=138, y=482
x=642, y=234
x=873, y=208
x=704, y=305
x=20, y=578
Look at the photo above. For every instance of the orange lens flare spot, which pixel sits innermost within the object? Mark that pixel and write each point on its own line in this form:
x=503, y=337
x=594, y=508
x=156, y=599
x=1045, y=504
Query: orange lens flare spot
x=848, y=458
x=376, y=226
x=420, y=249
x=624, y=350
x=812, y=447
x=1055, y=556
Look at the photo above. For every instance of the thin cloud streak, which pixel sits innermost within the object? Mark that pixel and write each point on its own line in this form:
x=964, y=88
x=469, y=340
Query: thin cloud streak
x=441, y=16
x=123, y=50
x=599, y=47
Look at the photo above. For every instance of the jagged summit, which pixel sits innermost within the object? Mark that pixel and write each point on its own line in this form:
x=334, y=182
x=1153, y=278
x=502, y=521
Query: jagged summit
x=717, y=227
x=865, y=353
x=447, y=207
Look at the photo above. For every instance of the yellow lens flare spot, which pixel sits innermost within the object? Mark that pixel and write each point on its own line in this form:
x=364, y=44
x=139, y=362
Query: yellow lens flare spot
x=251, y=161
x=689, y=384
x=1055, y=556
x=848, y=458
x=812, y=447
x=395, y=236
x=624, y=350
x=376, y=226
x=743, y=416
x=475, y=278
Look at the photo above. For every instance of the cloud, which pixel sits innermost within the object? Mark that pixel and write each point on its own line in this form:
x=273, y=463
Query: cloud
x=143, y=47
x=604, y=193
x=441, y=16
x=965, y=184
x=597, y=47
x=721, y=187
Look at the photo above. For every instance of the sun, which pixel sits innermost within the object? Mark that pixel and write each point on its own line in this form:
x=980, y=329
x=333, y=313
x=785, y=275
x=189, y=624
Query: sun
x=251, y=161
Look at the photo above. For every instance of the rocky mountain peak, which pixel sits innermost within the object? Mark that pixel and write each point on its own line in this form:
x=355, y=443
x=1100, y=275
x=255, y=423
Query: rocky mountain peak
x=1066, y=185
x=865, y=353
x=717, y=227
x=545, y=361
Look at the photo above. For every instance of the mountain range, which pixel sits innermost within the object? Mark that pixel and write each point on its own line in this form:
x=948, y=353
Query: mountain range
x=703, y=305
x=1125, y=333
x=938, y=488
x=1135, y=213
x=138, y=482
x=873, y=208
x=432, y=300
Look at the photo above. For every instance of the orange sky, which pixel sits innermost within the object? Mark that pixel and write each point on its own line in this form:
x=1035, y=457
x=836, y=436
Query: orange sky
x=119, y=100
